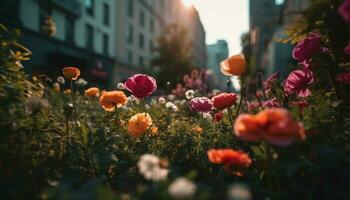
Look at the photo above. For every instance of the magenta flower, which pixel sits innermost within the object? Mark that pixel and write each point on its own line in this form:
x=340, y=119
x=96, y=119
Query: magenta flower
x=141, y=85
x=347, y=49
x=267, y=84
x=344, y=77
x=306, y=48
x=344, y=10
x=298, y=81
x=272, y=103
x=201, y=104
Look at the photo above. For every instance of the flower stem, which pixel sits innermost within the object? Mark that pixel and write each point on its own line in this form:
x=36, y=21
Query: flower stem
x=144, y=106
x=240, y=102
x=73, y=102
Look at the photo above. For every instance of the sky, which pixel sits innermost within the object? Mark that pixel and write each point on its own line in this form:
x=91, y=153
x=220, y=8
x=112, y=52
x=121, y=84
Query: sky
x=224, y=19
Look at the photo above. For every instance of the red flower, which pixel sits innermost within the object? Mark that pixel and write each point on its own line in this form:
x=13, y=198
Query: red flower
x=347, y=49
x=344, y=10
x=229, y=158
x=201, y=104
x=306, y=48
x=272, y=103
x=224, y=100
x=218, y=116
x=344, y=77
x=297, y=82
x=141, y=85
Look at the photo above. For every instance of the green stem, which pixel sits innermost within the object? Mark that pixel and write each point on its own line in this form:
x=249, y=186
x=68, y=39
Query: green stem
x=73, y=102
x=144, y=106
x=240, y=102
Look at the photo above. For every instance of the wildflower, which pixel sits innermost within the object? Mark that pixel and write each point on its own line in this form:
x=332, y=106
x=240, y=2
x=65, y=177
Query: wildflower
x=71, y=73
x=151, y=169
x=81, y=82
x=239, y=191
x=92, y=92
x=61, y=80
x=307, y=47
x=162, y=100
x=197, y=129
x=35, y=104
x=344, y=10
x=224, y=100
x=218, y=116
x=121, y=86
x=201, y=104
x=234, y=65
x=267, y=84
x=347, y=49
x=171, y=106
x=297, y=82
x=182, y=188
x=110, y=100
x=189, y=94
x=272, y=103
x=344, y=78
x=139, y=124
x=207, y=116
x=275, y=126
x=230, y=158
x=141, y=85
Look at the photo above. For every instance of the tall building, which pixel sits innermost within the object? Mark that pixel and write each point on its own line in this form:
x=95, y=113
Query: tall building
x=215, y=54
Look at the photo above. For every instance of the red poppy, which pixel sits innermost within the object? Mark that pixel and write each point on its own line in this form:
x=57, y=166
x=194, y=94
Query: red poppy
x=224, y=100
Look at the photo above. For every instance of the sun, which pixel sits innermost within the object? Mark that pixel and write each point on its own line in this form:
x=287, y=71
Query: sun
x=188, y=3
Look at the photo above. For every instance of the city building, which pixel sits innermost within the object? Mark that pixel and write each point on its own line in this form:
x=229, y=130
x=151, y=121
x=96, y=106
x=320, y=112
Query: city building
x=215, y=54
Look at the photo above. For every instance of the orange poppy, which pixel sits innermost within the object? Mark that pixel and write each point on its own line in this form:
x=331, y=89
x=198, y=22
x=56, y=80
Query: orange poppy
x=92, y=92
x=197, y=129
x=139, y=123
x=112, y=99
x=234, y=65
x=229, y=157
x=71, y=73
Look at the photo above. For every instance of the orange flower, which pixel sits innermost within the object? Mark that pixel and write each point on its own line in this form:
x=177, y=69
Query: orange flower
x=67, y=91
x=110, y=100
x=229, y=158
x=154, y=130
x=139, y=123
x=71, y=73
x=275, y=126
x=197, y=129
x=92, y=92
x=234, y=65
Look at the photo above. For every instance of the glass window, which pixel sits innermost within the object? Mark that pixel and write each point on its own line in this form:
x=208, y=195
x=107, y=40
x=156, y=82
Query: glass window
x=142, y=18
x=105, y=44
x=69, y=29
x=89, y=40
x=129, y=34
x=106, y=14
x=89, y=6
x=130, y=8
x=42, y=16
x=141, y=41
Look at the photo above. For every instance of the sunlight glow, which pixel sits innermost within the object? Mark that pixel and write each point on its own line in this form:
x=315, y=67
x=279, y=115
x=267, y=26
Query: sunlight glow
x=188, y=3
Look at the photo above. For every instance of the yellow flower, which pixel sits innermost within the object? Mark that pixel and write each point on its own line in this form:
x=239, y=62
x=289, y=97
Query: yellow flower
x=139, y=123
x=234, y=65
x=112, y=99
x=154, y=130
x=92, y=92
x=71, y=73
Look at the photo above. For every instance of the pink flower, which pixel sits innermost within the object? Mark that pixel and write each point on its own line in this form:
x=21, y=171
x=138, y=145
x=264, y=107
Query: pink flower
x=267, y=84
x=347, y=49
x=344, y=77
x=201, y=104
x=272, y=103
x=344, y=10
x=141, y=85
x=306, y=48
x=297, y=82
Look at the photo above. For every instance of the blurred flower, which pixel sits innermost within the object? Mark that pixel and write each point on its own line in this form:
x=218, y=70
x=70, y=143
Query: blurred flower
x=171, y=105
x=112, y=99
x=56, y=87
x=344, y=78
x=230, y=158
x=120, y=86
x=151, y=169
x=252, y=105
x=274, y=125
x=141, y=85
x=298, y=81
x=35, y=104
x=197, y=129
x=81, y=82
x=347, y=49
x=61, y=80
x=67, y=91
x=92, y=92
x=307, y=47
x=234, y=65
x=224, y=100
x=139, y=123
x=189, y=94
x=239, y=191
x=71, y=73
x=215, y=92
x=344, y=10
x=272, y=103
x=267, y=84
x=162, y=100
x=218, y=116
x=154, y=130
x=201, y=104
x=133, y=99
x=182, y=188
x=179, y=90
x=207, y=116
x=171, y=97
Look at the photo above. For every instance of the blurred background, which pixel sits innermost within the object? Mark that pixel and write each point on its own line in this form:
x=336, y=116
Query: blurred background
x=110, y=40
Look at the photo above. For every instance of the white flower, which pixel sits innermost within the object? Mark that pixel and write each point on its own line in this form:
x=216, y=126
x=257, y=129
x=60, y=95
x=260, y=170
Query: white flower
x=133, y=99
x=239, y=192
x=162, y=100
x=120, y=86
x=172, y=106
x=149, y=167
x=189, y=94
x=171, y=97
x=81, y=82
x=56, y=86
x=182, y=188
x=207, y=116
x=147, y=106
x=61, y=80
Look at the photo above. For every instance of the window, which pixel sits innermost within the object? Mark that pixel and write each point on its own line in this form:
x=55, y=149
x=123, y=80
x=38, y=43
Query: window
x=89, y=39
x=130, y=8
x=152, y=25
x=69, y=30
x=129, y=57
x=142, y=18
x=89, y=6
x=42, y=16
x=106, y=14
x=141, y=61
x=141, y=41
x=105, y=44
x=130, y=34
